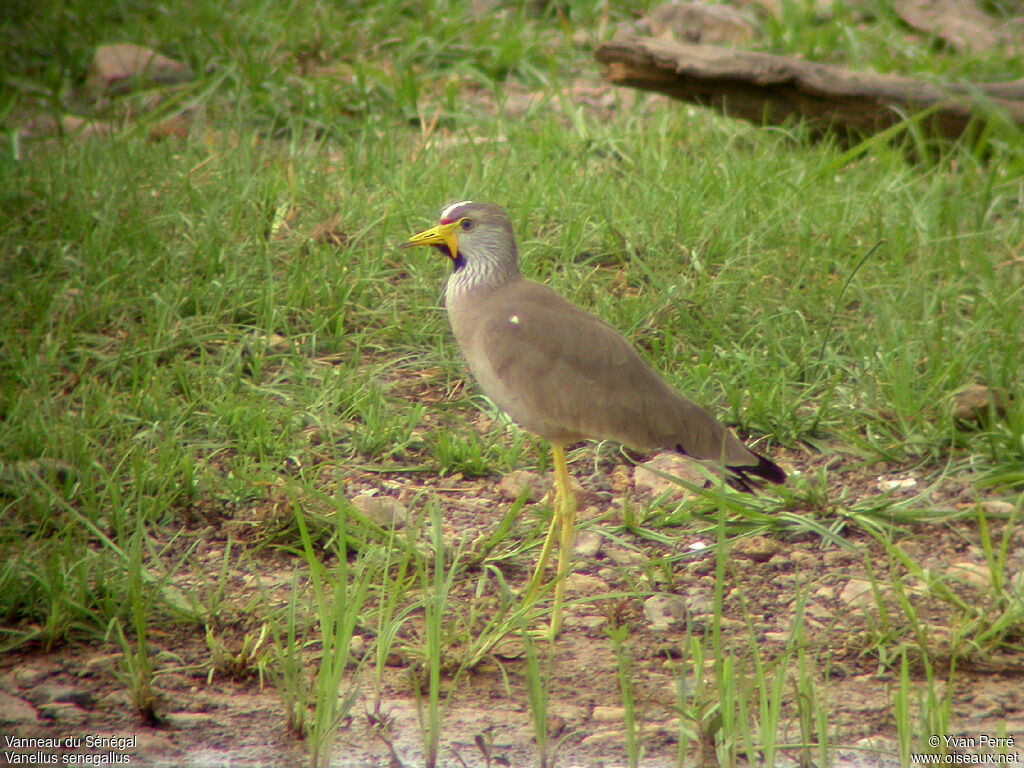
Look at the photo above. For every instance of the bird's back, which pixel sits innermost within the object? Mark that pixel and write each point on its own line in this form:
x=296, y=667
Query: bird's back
x=563, y=373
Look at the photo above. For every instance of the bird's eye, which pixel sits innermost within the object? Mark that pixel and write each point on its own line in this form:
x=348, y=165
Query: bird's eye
x=467, y=224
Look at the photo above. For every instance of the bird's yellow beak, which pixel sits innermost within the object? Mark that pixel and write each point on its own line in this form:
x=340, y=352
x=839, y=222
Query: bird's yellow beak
x=441, y=235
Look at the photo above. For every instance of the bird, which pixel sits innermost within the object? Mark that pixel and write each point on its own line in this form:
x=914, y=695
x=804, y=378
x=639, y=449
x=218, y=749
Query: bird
x=563, y=373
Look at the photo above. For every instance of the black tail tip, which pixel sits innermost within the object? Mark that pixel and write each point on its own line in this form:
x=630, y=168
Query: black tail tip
x=766, y=469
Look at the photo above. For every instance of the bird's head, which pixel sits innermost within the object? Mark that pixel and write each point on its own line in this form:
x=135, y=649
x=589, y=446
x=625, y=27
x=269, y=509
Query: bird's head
x=477, y=237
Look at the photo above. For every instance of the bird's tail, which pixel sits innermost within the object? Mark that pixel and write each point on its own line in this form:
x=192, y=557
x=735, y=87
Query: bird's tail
x=765, y=469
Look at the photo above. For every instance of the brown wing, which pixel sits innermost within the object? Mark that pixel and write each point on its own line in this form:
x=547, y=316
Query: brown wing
x=565, y=374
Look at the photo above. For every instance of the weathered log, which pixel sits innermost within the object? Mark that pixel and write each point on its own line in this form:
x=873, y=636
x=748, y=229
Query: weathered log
x=770, y=88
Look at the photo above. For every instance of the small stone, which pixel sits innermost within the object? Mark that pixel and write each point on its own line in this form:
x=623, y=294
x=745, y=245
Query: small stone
x=188, y=720
x=584, y=622
x=698, y=603
x=825, y=593
x=970, y=573
x=385, y=511
x=608, y=714
x=587, y=545
x=604, y=740
x=556, y=725
x=16, y=711
x=51, y=693
x=620, y=479
x=114, y=66
x=646, y=479
x=29, y=676
x=357, y=646
x=760, y=549
x=624, y=558
x=834, y=557
x=997, y=508
x=857, y=593
x=700, y=23
x=584, y=584
x=777, y=637
x=985, y=706
x=514, y=483
x=973, y=403
x=665, y=611
x=886, y=485
x=819, y=611
x=154, y=747
x=63, y=713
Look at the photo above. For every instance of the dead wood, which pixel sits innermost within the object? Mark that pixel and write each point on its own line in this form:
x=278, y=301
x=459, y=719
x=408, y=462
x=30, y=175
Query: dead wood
x=765, y=87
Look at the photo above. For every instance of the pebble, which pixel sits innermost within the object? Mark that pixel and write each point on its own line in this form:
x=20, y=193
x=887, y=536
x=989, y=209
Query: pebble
x=760, y=549
x=587, y=545
x=646, y=480
x=886, y=485
x=63, y=713
x=385, y=511
x=856, y=593
x=997, y=508
x=16, y=711
x=51, y=693
x=970, y=573
x=357, y=646
x=514, y=483
x=665, y=611
x=608, y=714
x=584, y=584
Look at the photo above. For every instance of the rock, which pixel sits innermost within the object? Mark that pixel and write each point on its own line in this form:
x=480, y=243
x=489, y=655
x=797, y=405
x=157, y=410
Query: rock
x=620, y=479
x=119, y=66
x=825, y=593
x=760, y=549
x=886, y=485
x=584, y=622
x=189, y=720
x=152, y=747
x=604, y=740
x=997, y=508
x=646, y=480
x=51, y=693
x=29, y=676
x=624, y=558
x=608, y=714
x=970, y=572
x=985, y=705
x=556, y=725
x=584, y=584
x=63, y=713
x=665, y=611
x=514, y=483
x=819, y=611
x=16, y=711
x=700, y=23
x=973, y=403
x=587, y=544
x=698, y=603
x=836, y=557
x=385, y=511
x=357, y=646
x=857, y=593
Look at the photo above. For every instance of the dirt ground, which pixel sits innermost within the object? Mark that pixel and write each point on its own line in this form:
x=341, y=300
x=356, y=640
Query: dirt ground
x=73, y=691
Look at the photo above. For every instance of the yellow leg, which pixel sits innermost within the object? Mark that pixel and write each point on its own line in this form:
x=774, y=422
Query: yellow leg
x=562, y=528
x=542, y=561
x=565, y=513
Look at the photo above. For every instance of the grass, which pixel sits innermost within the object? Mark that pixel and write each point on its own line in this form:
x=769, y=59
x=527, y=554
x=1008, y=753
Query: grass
x=183, y=355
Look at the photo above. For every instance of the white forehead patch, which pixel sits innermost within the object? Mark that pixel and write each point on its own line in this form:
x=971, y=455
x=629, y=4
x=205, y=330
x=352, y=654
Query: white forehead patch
x=447, y=211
